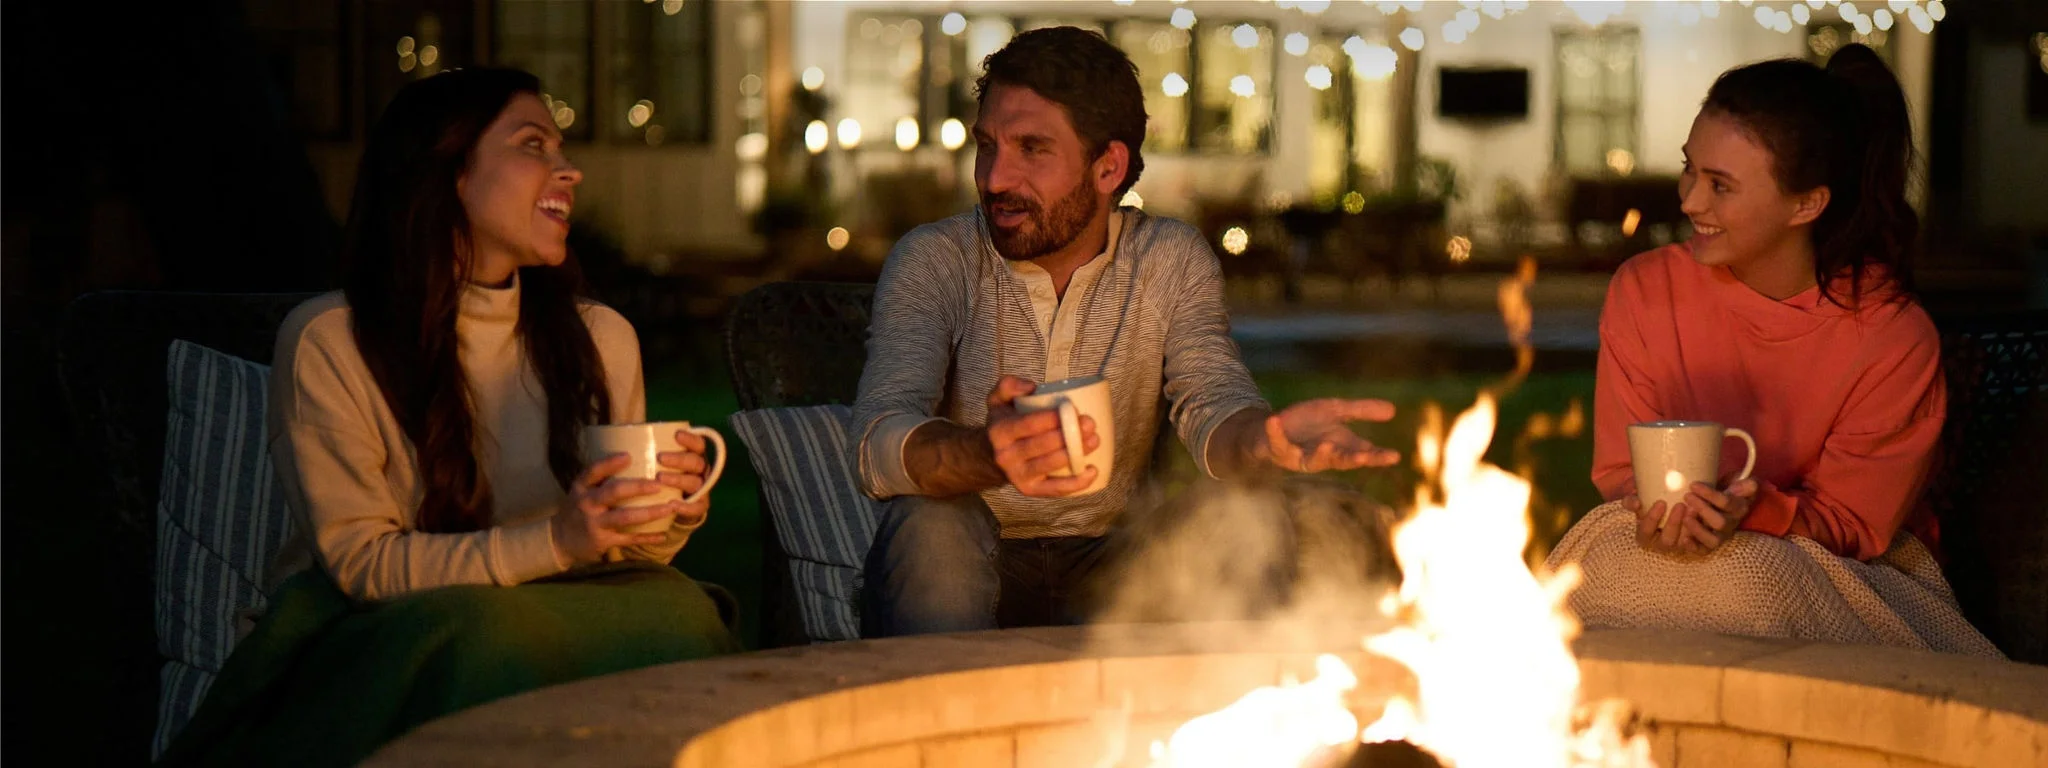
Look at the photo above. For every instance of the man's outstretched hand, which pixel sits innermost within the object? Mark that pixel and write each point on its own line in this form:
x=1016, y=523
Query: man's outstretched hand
x=1316, y=436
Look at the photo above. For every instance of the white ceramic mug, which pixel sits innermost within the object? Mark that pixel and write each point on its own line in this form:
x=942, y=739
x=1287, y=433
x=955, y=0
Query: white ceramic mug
x=1074, y=398
x=1669, y=456
x=644, y=442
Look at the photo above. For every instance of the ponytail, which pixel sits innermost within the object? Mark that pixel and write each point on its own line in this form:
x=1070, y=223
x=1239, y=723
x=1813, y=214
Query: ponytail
x=1878, y=226
x=1843, y=127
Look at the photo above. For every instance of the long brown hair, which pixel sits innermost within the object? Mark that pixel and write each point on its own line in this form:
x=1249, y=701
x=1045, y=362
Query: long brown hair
x=1843, y=127
x=408, y=260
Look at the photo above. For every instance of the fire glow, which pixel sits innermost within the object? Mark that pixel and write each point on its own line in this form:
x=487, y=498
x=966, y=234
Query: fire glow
x=1489, y=641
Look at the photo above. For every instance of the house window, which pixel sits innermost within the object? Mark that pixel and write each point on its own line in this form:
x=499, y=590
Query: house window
x=1165, y=62
x=659, y=70
x=884, y=85
x=551, y=39
x=1599, y=103
x=1330, y=95
x=1234, y=88
x=1215, y=99
x=405, y=41
x=1372, y=61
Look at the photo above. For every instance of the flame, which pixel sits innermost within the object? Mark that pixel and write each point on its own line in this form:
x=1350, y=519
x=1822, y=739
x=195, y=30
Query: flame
x=1520, y=318
x=1489, y=641
x=1486, y=639
x=1285, y=725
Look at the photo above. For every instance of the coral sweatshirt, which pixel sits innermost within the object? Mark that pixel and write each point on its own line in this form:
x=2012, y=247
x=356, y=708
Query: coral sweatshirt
x=1846, y=405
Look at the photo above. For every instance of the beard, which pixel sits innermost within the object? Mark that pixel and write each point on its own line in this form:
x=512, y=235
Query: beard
x=1042, y=231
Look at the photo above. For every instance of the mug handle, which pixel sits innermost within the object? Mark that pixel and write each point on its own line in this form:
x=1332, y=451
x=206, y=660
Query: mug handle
x=717, y=467
x=1070, y=430
x=1749, y=465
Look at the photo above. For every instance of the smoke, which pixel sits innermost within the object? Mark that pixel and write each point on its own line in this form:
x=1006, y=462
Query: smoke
x=1300, y=550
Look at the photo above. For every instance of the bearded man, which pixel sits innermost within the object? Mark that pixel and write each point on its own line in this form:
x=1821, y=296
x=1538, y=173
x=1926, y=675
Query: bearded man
x=1046, y=280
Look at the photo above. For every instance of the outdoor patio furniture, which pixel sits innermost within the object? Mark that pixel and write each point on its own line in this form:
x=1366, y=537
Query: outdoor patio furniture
x=1991, y=492
x=794, y=344
x=113, y=353
x=1606, y=203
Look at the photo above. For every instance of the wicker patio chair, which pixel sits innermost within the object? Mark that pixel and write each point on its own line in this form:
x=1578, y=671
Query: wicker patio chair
x=112, y=356
x=1991, y=492
x=795, y=344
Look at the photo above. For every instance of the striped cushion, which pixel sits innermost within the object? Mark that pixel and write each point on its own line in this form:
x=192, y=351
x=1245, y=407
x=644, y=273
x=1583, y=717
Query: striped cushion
x=183, y=686
x=220, y=517
x=822, y=519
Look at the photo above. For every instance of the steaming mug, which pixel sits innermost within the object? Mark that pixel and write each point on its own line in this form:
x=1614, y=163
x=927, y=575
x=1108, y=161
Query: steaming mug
x=643, y=442
x=1669, y=456
x=1074, y=398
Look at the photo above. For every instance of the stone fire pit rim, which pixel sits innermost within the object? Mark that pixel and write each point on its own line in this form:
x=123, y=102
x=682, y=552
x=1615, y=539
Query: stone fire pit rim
x=1941, y=708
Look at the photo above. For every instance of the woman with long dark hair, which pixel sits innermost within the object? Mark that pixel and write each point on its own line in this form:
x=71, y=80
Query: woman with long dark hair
x=451, y=547
x=1788, y=314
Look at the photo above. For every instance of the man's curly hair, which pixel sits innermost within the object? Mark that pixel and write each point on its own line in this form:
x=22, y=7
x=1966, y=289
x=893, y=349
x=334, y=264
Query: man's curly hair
x=1080, y=71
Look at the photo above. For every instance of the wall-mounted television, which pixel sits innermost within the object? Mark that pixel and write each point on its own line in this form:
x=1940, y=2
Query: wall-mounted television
x=1482, y=93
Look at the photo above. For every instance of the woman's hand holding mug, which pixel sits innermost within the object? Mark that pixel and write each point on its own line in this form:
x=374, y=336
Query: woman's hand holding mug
x=594, y=517
x=643, y=481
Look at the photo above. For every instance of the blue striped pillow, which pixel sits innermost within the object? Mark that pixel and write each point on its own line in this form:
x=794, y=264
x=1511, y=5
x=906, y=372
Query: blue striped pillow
x=823, y=521
x=220, y=518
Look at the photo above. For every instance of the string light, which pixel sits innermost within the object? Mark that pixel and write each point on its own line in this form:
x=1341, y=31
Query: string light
x=837, y=238
x=849, y=133
x=751, y=147
x=815, y=136
x=952, y=133
x=1318, y=77
x=906, y=133
x=1296, y=44
x=1412, y=38
x=1245, y=36
x=1173, y=85
x=1374, y=62
x=814, y=78
x=1235, y=240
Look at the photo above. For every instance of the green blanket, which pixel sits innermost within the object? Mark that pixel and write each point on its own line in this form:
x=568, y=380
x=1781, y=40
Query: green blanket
x=326, y=681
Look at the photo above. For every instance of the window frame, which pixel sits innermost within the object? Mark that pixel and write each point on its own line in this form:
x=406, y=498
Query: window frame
x=1189, y=146
x=1605, y=34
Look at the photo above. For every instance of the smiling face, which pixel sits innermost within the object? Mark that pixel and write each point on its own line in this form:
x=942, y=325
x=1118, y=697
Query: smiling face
x=1741, y=218
x=1039, y=187
x=518, y=192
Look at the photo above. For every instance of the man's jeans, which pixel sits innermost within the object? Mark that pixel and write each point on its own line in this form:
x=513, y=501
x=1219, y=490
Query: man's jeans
x=939, y=565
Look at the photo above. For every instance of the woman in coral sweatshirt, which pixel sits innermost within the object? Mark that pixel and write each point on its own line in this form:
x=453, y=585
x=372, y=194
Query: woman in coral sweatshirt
x=1788, y=314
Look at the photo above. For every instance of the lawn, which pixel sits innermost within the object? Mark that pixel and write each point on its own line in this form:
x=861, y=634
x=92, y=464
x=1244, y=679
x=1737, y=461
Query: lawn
x=728, y=549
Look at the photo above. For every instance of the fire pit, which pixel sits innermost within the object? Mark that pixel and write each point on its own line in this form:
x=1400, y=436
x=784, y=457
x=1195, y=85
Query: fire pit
x=1059, y=698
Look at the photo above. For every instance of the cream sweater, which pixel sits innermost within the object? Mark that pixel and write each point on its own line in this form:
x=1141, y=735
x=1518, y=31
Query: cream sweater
x=352, y=479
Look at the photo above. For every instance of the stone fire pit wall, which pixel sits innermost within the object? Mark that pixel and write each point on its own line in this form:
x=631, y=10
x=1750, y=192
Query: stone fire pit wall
x=1053, y=698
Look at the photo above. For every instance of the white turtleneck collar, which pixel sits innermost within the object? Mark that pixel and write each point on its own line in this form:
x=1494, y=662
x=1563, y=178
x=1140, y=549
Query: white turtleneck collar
x=484, y=304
